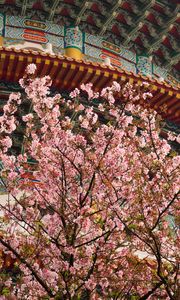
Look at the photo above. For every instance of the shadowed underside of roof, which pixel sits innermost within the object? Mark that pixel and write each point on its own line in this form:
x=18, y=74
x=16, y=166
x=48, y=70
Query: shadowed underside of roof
x=145, y=26
x=68, y=73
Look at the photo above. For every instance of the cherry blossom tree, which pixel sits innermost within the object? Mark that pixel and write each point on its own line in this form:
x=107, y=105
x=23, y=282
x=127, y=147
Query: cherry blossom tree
x=100, y=220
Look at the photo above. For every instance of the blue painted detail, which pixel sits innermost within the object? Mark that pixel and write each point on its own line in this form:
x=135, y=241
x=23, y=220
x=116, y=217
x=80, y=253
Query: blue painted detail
x=73, y=38
x=144, y=65
x=2, y=24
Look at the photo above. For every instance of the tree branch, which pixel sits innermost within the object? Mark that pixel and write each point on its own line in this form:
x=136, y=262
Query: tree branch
x=146, y=296
x=23, y=261
x=164, y=210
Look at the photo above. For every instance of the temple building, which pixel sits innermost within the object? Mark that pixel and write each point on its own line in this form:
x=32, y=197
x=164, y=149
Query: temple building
x=97, y=41
x=79, y=41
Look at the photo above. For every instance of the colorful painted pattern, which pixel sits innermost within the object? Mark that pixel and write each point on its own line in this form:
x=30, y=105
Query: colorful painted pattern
x=14, y=33
x=34, y=31
x=93, y=40
x=1, y=23
x=111, y=47
x=55, y=40
x=144, y=65
x=93, y=59
x=160, y=72
x=19, y=29
x=36, y=25
x=114, y=57
x=92, y=51
x=101, y=49
x=129, y=55
x=26, y=34
x=128, y=66
x=73, y=38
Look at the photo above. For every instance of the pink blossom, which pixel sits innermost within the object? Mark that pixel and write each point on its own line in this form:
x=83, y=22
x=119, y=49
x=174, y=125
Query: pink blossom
x=90, y=196
x=6, y=142
x=79, y=107
x=15, y=97
x=90, y=284
x=147, y=95
x=31, y=68
x=88, y=89
x=94, y=119
x=85, y=123
x=101, y=107
x=74, y=93
x=27, y=118
x=116, y=86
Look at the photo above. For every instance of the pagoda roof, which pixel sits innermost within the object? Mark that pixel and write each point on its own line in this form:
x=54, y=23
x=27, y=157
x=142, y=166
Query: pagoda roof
x=144, y=26
x=67, y=73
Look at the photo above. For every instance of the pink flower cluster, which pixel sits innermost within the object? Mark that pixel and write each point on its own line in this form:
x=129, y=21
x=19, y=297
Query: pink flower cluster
x=96, y=216
x=8, y=122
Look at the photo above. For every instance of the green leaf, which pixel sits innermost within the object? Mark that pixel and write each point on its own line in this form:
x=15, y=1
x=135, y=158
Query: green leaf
x=5, y=291
x=46, y=298
x=134, y=297
x=132, y=226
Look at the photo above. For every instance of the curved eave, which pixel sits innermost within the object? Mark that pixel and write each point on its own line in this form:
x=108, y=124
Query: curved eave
x=68, y=73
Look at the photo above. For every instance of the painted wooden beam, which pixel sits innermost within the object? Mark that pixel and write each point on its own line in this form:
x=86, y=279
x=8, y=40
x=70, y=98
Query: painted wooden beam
x=24, y=7
x=53, y=9
x=85, y=5
x=139, y=22
x=163, y=33
x=173, y=60
x=112, y=15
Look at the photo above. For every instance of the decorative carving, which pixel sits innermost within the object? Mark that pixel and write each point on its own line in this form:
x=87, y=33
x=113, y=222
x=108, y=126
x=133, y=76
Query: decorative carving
x=159, y=72
x=128, y=66
x=144, y=65
x=91, y=15
x=93, y=40
x=111, y=47
x=1, y=24
x=35, y=24
x=23, y=22
x=73, y=37
x=92, y=51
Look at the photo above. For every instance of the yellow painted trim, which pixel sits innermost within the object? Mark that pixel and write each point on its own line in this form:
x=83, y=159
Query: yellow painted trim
x=154, y=87
x=1, y=40
x=29, y=59
x=55, y=63
x=38, y=60
x=81, y=68
x=21, y=58
x=64, y=65
x=131, y=80
x=98, y=72
x=47, y=62
x=178, y=96
x=123, y=78
x=106, y=74
x=162, y=91
x=74, y=53
x=170, y=93
x=3, y=55
x=139, y=82
x=12, y=56
x=73, y=66
x=115, y=76
x=90, y=70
